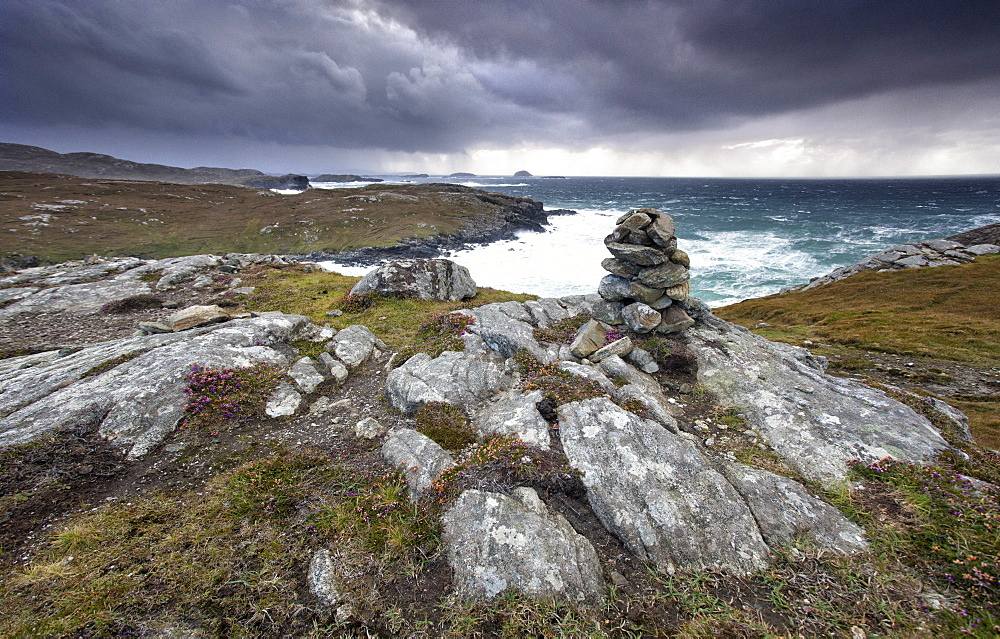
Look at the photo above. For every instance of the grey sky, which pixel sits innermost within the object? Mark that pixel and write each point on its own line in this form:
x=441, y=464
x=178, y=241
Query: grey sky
x=710, y=87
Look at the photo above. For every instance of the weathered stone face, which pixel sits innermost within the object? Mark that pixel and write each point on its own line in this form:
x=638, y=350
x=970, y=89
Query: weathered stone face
x=614, y=288
x=620, y=268
x=427, y=279
x=638, y=255
x=641, y=318
x=675, y=320
x=661, y=230
x=498, y=542
x=664, y=275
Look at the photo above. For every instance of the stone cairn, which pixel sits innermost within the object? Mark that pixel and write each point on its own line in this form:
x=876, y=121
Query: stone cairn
x=649, y=274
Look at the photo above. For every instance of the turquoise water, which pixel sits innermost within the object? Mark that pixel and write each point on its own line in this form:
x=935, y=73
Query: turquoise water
x=746, y=237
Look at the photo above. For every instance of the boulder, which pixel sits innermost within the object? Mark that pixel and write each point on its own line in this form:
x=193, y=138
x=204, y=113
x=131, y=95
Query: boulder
x=498, y=542
x=353, y=345
x=324, y=580
x=197, y=316
x=419, y=457
x=306, y=375
x=452, y=377
x=369, y=428
x=815, y=422
x=284, y=401
x=427, y=279
x=514, y=413
x=656, y=492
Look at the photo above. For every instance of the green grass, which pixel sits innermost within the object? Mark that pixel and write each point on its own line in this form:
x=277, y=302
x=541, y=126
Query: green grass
x=400, y=322
x=947, y=312
x=445, y=424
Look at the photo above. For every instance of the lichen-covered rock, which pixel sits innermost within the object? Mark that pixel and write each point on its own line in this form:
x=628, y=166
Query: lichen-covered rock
x=636, y=254
x=620, y=347
x=816, y=422
x=620, y=268
x=784, y=510
x=83, y=298
x=283, y=401
x=506, y=327
x=452, y=377
x=324, y=579
x=514, y=413
x=353, y=345
x=614, y=288
x=428, y=279
x=419, y=457
x=662, y=228
x=369, y=428
x=498, y=542
x=664, y=275
x=306, y=374
x=656, y=492
x=136, y=402
x=333, y=367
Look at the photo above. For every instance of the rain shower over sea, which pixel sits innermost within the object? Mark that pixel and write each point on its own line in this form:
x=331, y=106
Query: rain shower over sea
x=746, y=237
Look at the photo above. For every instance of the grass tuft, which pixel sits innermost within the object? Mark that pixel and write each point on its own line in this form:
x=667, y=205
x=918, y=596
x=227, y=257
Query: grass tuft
x=445, y=424
x=134, y=303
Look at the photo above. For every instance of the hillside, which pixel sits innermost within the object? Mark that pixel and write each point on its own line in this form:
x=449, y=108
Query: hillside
x=933, y=330
x=270, y=475
x=60, y=217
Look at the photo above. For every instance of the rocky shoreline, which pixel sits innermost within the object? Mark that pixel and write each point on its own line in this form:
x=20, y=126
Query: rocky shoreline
x=522, y=214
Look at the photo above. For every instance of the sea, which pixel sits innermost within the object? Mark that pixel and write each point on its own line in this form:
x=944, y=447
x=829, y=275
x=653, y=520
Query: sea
x=746, y=237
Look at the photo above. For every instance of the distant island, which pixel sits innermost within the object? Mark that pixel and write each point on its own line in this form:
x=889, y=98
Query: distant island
x=523, y=174
x=415, y=176
x=331, y=177
x=461, y=175
x=553, y=177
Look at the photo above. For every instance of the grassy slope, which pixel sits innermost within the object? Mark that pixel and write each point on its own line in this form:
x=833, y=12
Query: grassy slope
x=156, y=219
x=228, y=557
x=941, y=317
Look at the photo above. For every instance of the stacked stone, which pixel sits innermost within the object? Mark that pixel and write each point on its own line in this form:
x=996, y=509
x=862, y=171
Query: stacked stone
x=648, y=273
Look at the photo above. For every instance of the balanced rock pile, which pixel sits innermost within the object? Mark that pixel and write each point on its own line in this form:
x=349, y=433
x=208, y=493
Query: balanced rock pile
x=648, y=273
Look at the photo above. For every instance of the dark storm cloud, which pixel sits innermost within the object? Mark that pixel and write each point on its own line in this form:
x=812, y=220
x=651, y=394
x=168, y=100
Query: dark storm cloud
x=443, y=75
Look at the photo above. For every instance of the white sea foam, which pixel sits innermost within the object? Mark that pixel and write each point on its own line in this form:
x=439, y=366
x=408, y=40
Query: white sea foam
x=480, y=185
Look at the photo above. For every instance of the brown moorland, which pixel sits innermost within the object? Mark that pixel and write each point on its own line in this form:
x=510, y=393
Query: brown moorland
x=61, y=217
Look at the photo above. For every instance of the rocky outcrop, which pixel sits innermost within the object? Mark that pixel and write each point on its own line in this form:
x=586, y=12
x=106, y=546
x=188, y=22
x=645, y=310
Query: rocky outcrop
x=657, y=493
x=930, y=253
x=816, y=422
x=135, y=403
x=501, y=542
x=427, y=279
x=503, y=217
x=452, y=377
